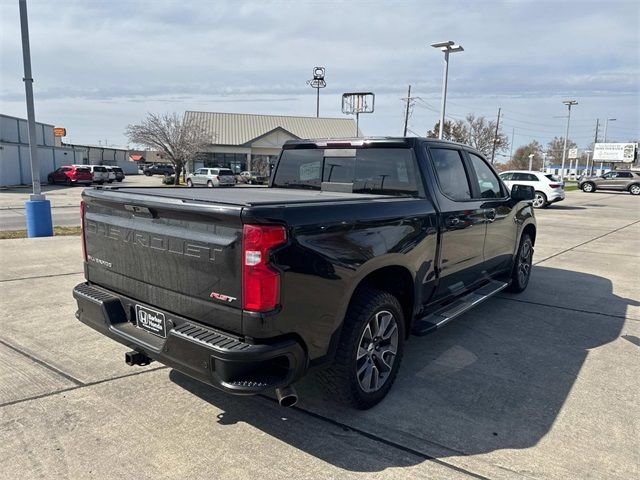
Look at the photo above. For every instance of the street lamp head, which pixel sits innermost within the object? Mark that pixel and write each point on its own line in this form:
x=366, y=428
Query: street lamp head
x=611, y=119
x=448, y=43
x=570, y=102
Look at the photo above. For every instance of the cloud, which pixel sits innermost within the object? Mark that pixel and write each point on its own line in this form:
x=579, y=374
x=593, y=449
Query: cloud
x=255, y=56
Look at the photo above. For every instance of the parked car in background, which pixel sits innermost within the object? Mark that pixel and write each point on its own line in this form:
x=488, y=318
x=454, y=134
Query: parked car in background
x=119, y=173
x=211, y=177
x=252, y=177
x=159, y=169
x=71, y=175
x=99, y=172
x=621, y=180
x=111, y=173
x=548, y=189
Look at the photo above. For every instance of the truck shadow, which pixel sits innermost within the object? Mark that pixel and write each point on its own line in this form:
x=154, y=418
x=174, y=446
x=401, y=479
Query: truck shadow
x=493, y=379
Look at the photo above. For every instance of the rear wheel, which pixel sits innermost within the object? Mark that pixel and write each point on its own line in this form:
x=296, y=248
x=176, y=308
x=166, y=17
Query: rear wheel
x=634, y=189
x=539, y=200
x=210, y=184
x=189, y=183
x=588, y=187
x=50, y=180
x=370, y=350
x=68, y=182
x=522, y=266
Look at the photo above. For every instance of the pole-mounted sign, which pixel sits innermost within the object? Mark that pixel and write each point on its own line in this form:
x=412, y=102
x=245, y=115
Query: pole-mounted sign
x=355, y=103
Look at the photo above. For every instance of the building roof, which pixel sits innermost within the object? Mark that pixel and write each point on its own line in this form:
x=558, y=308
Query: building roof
x=242, y=128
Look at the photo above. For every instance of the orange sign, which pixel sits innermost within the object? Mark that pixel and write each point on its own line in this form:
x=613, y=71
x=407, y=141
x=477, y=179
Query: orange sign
x=59, y=132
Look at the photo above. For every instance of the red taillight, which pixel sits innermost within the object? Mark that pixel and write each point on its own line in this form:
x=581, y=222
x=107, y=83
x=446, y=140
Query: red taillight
x=555, y=185
x=260, y=282
x=217, y=177
x=84, y=237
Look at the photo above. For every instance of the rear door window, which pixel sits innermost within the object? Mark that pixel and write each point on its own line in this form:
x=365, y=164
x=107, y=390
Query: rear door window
x=451, y=174
x=488, y=182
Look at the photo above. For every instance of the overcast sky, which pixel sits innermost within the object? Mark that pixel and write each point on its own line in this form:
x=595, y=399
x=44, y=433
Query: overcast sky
x=99, y=65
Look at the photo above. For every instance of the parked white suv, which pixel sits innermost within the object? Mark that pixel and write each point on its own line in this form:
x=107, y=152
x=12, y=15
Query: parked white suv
x=548, y=189
x=211, y=177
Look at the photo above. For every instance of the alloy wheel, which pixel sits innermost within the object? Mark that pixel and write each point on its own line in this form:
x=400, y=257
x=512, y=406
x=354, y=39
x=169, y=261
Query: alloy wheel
x=524, y=263
x=377, y=351
x=538, y=200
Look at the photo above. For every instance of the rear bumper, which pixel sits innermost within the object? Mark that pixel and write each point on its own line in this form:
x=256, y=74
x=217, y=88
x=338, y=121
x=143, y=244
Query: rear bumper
x=556, y=197
x=214, y=357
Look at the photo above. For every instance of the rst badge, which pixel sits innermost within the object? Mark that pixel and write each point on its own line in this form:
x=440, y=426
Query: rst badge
x=224, y=298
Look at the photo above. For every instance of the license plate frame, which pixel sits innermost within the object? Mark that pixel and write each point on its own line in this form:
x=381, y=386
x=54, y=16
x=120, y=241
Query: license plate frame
x=151, y=320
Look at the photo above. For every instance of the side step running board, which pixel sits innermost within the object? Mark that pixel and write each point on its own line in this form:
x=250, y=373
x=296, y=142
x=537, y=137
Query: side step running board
x=444, y=315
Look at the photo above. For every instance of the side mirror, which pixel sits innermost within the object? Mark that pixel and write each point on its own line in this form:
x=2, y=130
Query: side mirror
x=521, y=193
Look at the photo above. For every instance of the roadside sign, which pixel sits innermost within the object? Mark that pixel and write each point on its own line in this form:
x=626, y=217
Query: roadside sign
x=59, y=132
x=573, y=153
x=614, y=152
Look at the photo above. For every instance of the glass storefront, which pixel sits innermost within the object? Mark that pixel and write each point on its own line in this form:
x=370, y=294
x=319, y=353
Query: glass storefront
x=237, y=162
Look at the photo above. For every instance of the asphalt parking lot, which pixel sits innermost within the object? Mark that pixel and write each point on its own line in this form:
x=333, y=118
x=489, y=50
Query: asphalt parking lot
x=538, y=385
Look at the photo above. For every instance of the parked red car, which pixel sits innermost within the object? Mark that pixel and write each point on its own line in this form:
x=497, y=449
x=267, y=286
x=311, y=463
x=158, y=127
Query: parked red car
x=70, y=175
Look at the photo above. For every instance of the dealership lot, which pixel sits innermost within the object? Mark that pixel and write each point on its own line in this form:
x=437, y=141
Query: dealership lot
x=537, y=385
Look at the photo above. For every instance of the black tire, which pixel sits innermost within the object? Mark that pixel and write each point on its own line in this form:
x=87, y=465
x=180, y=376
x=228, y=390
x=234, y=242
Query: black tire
x=50, y=180
x=210, y=184
x=521, y=272
x=634, y=189
x=341, y=379
x=68, y=182
x=540, y=200
x=148, y=174
x=189, y=183
x=588, y=187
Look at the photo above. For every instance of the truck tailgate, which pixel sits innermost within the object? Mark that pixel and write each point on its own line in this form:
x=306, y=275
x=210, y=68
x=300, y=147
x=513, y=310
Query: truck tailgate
x=178, y=256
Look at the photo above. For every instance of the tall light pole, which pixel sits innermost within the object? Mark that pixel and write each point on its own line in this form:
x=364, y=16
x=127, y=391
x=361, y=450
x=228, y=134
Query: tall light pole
x=569, y=104
x=606, y=125
x=447, y=47
x=317, y=82
x=37, y=208
x=531, y=155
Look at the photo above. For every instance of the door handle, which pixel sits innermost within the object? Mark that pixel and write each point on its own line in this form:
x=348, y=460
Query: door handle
x=491, y=214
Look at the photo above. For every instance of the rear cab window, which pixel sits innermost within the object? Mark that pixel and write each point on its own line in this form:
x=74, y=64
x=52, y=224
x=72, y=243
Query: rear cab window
x=386, y=171
x=225, y=171
x=451, y=174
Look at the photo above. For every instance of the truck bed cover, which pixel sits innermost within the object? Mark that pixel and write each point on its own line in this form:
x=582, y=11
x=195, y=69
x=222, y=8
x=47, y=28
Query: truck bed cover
x=249, y=197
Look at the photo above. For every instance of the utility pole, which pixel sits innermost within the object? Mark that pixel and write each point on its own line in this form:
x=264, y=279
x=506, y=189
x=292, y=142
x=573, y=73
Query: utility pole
x=406, y=111
x=569, y=104
x=595, y=140
x=495, y=137
x=513, y=134
x=37, y=208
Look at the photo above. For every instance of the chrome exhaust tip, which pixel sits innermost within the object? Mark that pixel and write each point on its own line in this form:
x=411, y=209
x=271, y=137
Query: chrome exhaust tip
x=287, y=396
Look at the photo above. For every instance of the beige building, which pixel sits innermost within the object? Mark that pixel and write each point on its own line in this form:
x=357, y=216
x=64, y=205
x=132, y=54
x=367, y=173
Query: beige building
x=240, y=141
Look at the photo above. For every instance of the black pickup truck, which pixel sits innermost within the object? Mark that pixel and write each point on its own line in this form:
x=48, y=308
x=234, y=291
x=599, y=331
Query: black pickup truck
x=355, y=245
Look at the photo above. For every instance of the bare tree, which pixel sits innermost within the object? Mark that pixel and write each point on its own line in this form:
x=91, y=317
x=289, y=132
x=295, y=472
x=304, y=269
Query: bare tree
x=520, y=160
x=178, y=139
x=477, y=132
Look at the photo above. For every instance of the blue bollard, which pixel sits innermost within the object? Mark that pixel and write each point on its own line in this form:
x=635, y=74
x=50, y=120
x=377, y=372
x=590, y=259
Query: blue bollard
x=39, y=222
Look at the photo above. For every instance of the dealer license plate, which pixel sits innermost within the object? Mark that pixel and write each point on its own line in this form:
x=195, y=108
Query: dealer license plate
x=151, y=320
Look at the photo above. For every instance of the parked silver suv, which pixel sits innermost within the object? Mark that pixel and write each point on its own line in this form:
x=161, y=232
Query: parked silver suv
x=622, y=180
x=211, y=177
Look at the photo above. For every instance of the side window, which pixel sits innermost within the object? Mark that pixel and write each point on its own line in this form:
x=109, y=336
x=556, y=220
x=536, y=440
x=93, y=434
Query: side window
x=506, y=176
x=518, y=177
x=624, y=175
x=451, y=174
x=531, y=177
x=488, y=182
x=608, y=175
